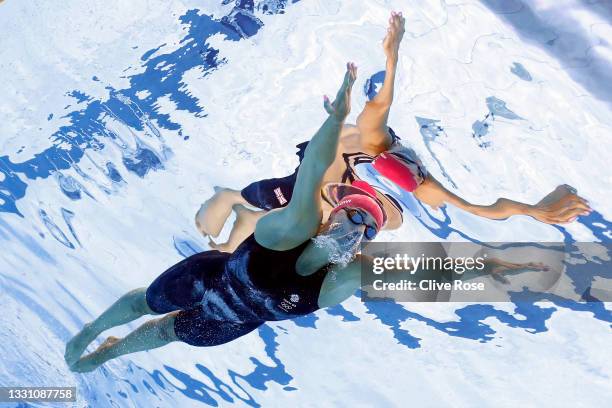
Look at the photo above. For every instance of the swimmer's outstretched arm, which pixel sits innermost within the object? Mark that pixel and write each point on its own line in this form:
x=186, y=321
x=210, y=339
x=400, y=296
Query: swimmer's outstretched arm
x=342, y=282
x=288, y=227
x=560, y=206
x=372, y=121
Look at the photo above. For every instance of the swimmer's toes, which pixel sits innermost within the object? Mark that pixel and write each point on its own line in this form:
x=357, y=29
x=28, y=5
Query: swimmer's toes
x=213, y=245
x=110, y=340
x=225, y=247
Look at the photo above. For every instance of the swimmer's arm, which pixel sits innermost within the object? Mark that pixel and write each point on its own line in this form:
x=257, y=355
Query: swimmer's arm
x=560, y=206
x=372, y=121
x=300, y=219
x=341, y=283
x=488, y=265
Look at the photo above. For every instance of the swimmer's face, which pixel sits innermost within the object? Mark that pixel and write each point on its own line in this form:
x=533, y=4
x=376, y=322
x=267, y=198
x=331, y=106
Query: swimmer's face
x=340, y=237
x=355, y=221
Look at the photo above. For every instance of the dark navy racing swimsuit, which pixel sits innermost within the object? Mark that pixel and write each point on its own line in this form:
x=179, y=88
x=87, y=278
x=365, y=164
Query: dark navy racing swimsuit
x=273, y=193
x=223, y=296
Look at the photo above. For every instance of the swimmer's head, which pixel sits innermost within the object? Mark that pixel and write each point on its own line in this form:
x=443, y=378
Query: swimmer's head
x=401, y=166
x=340, y=238
x=358, y=212
x=357, y=216
x=357, y=208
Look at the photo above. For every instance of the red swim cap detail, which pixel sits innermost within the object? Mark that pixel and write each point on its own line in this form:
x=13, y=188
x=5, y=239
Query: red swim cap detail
x=365, y=186
x=363, y=202
x=393, y=168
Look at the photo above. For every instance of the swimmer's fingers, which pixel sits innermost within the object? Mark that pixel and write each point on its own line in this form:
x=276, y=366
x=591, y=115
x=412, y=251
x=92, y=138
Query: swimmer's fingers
x=535, y=266
x=574, y=200
x=564, y=210
x=394, y=35
x=572, y=208
x=398, y=22
x=347, y=83
x=538, y=266
x=512, y=266
x=327, y=105
x=349, y=78
x=569, y=188
x=570, y=215
x=563, y=216
x=342, y=105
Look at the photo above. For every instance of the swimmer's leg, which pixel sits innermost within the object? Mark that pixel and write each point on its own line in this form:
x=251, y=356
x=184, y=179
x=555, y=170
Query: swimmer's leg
x=243, y=227
x=129, y=307
x=212, y=215
x=560, y=206
x=152, y=334
x=372, y=121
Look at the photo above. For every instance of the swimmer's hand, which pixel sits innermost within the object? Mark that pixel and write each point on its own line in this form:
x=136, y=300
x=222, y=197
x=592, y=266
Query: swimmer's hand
x=497, y=267
x=394, y=36
x=341, y=106
x=561, y=206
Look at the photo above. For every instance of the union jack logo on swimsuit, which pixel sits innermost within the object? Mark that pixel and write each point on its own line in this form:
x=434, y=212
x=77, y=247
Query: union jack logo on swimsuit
x=279, y=196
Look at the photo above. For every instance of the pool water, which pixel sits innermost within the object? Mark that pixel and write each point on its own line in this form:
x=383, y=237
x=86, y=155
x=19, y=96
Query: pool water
x=119, y=118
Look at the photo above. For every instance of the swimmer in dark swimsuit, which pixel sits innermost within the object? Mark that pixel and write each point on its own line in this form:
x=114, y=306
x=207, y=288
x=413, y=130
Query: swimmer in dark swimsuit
x=363, y=143
x=290, y=266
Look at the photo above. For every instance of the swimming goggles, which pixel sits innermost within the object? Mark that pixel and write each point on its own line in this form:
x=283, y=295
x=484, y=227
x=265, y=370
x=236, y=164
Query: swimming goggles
x=358, y=218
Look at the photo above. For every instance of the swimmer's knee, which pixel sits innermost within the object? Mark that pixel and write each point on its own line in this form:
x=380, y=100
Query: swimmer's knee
x=227, y=194
x=140, y=305
x=236, y=198
x=243, y=211
x=166, y=327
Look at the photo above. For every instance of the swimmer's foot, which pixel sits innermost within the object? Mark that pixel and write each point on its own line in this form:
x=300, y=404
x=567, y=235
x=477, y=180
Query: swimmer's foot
x=245, y=223
x=93, y=360
x=223, y=247
x=77, y=345
x=394, y=36
x=561, y=206
x=212, y=215
x=243, y=227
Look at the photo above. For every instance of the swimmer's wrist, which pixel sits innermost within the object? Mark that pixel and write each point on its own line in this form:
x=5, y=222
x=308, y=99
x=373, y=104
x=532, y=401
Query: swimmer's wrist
x=335, y=121
x=527, y=209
